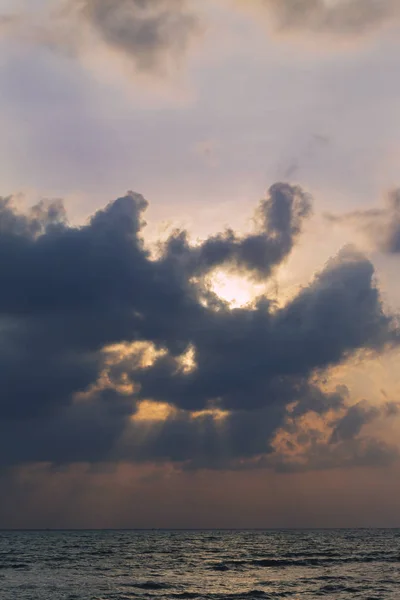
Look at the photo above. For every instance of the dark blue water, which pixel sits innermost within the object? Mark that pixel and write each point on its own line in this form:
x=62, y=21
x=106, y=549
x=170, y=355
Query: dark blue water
x=122, y=565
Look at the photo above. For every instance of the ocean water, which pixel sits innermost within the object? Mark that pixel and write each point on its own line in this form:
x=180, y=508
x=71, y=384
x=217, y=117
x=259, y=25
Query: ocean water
x=126, y=565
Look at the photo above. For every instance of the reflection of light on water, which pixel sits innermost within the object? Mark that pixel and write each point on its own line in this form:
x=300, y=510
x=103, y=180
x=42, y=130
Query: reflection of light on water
x=283, y=563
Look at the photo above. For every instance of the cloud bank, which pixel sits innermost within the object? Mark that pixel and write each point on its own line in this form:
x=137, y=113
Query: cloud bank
x=92, y=326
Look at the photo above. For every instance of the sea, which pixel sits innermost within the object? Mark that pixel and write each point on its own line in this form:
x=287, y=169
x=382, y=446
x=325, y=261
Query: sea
x=218, y=565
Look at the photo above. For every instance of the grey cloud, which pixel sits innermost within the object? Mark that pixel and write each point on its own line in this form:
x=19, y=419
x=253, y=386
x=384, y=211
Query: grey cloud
x=243, y=439
x=350, y=425
x=100, y=429
x=40, y=219
x=278, y=220
x=239, y=436
x=86, y=431
x=347, y=445
x=147, y=31
x=381, y=226
x=251, y=357
x=356, y=452
x=344, y=17
x=70, y=292
x=153, y=34
x=358, y=415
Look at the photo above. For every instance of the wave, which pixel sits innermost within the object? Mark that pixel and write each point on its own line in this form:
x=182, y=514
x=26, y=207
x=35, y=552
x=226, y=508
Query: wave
x=14, y=566
x=150, y=585
x=233, y=596
x=311, y=561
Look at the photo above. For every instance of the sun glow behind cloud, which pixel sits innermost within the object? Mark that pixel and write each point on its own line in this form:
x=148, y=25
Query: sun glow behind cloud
x=235, y=289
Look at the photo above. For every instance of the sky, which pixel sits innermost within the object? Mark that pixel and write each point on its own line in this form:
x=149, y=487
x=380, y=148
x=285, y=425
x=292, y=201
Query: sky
x=199, y=253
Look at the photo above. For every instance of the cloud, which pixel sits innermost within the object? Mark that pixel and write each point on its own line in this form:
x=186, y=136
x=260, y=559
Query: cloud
x=381, y=226
x=324, y=17
x=151, y=34
x=155, y=35
x=252, y=357
x=355, y=452
x=332, y=440
x=350, y=425
x=92, y=325
x=229, y=441
x=278, y=220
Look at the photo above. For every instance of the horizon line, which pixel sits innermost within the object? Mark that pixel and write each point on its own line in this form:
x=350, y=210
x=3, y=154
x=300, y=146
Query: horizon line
x=183, y=529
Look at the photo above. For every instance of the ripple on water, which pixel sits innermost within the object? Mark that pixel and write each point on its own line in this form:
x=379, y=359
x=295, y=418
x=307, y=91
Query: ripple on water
x=200, y=565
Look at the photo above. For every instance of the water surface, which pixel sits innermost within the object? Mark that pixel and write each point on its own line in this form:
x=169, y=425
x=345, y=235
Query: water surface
x=217, y=565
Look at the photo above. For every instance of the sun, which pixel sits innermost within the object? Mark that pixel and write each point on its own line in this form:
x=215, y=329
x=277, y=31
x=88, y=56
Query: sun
x=237, y=290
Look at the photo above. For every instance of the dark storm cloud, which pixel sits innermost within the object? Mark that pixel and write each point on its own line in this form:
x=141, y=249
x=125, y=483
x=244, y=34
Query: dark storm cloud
x=341, y=17
x=204, y=442
x=97, y=433
x=70, y=292
x=40, y=218
x=278, y=221
x=252, y=357
x=244, y=439
x=100, y=430
x=381, y=226
x=86, y=431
